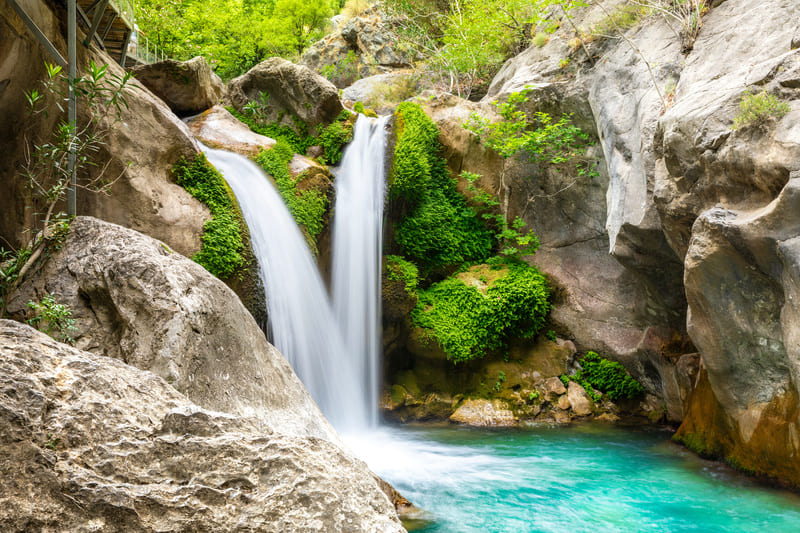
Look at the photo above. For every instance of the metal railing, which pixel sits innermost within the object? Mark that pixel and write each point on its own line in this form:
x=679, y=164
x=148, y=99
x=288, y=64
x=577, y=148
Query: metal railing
x=143, y=50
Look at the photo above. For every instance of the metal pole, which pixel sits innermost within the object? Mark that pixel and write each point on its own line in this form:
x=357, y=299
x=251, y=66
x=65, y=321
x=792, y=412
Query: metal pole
x=72, y=112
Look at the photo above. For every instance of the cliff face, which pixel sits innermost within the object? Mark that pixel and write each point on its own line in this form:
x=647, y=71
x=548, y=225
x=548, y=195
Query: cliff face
x=688, y=210
x=139, y=151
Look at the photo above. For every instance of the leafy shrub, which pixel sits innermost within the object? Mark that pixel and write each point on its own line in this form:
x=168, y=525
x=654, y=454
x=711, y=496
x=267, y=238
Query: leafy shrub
x=756, y=109
x=398, y=269
x=307, y=207
x=609, y=377
x=53, y=318
x=336, y=136
x=298, y=141
x=344, y=72
x=468, y=320
x=222, y=244
x=440, y=229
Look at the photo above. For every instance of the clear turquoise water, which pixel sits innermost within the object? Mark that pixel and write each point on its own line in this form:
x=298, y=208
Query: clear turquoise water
x=582, y=478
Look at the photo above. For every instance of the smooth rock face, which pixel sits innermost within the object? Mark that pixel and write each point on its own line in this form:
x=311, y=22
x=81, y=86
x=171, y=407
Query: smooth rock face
x=483, y=413
x=743, y=288
x=218, y=128
x=292, y=90
x=136, y=300
x=187, y=87
x=92, y=444
x=140, y=149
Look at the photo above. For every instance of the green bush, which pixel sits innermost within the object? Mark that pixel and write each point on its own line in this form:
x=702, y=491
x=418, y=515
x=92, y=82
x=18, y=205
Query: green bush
x=440, y=229
x=299, y=142
x=469, y=319
x=307, y=207
x=756, y=109
x=336, y=136
x=222, y=244
x=609, y=377
x=53, y=318
x=398, y=269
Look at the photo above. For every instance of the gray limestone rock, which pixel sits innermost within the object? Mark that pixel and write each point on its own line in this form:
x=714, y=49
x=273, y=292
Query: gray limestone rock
x=187, y=87
x=89, y=443
x=289, y=91
x=137, y=300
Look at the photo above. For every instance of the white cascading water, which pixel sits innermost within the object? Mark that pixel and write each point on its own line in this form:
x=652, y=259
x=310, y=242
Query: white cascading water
x=339, y=367
x=357, y=252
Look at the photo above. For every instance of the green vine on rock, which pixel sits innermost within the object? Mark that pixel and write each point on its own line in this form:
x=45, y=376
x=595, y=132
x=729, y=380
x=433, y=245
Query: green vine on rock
x=222, y=244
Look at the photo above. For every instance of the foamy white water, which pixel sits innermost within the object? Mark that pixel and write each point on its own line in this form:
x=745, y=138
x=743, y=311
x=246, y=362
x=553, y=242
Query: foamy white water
x=300, y=315
x=357, y=243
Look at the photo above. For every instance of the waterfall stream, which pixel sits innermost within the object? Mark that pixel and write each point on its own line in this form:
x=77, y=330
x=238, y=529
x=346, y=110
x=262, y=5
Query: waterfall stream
x=335, y=359
x=357, y=243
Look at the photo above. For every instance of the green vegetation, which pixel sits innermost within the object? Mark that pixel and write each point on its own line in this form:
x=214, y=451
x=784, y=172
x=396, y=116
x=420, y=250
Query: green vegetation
x=234, y=35
x=606, y=376
x=336, y=136
x=345, y=71
x=358, y=107
x=610, y=377
x=756, y=109
x=468, y=320
x=46, y=170
x=297, y=137
x=222, y=245
x=398, y=269
x=307, y=207
x=624, y=17
x=53, y=318
x=466, y=41
x=440, y=229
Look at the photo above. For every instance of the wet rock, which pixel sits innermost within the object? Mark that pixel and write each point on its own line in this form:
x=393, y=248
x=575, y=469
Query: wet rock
x=218, y=128
x=89, y=442
x=582, y=404
x=187, y=87
x=554, y=387
x=136, y=300
x=286, y=92
x=492, y=413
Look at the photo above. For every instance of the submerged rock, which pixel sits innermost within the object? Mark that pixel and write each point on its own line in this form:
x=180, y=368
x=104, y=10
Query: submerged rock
x=92, y=444
x=187, y=87
x=136, y=300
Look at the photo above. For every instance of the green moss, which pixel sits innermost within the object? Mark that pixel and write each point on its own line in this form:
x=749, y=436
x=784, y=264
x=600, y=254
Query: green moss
x=307, y=207
x=336, y=136
x=222, y=244
x=610, y=377
x=468, y=319
x=358, y=107
x=439, y=229
x=398, y=269
x=299, y=142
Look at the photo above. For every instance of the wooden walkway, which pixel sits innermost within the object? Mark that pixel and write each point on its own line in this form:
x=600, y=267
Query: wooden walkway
x=110, y=24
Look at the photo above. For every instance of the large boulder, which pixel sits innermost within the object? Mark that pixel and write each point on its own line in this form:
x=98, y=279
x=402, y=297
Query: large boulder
x=187, y=87
x=137, y=154
x=285, y=93
x=137, y=300
x=743, y=288
x=92, y=444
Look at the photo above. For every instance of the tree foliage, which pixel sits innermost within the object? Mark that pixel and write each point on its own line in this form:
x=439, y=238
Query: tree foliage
x=234, y=35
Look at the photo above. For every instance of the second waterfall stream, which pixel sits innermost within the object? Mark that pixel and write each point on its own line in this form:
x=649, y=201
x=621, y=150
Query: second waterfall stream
x=332, y=344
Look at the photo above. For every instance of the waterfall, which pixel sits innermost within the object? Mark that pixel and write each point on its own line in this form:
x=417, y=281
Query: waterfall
x=337, y=360
x=357, y=252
